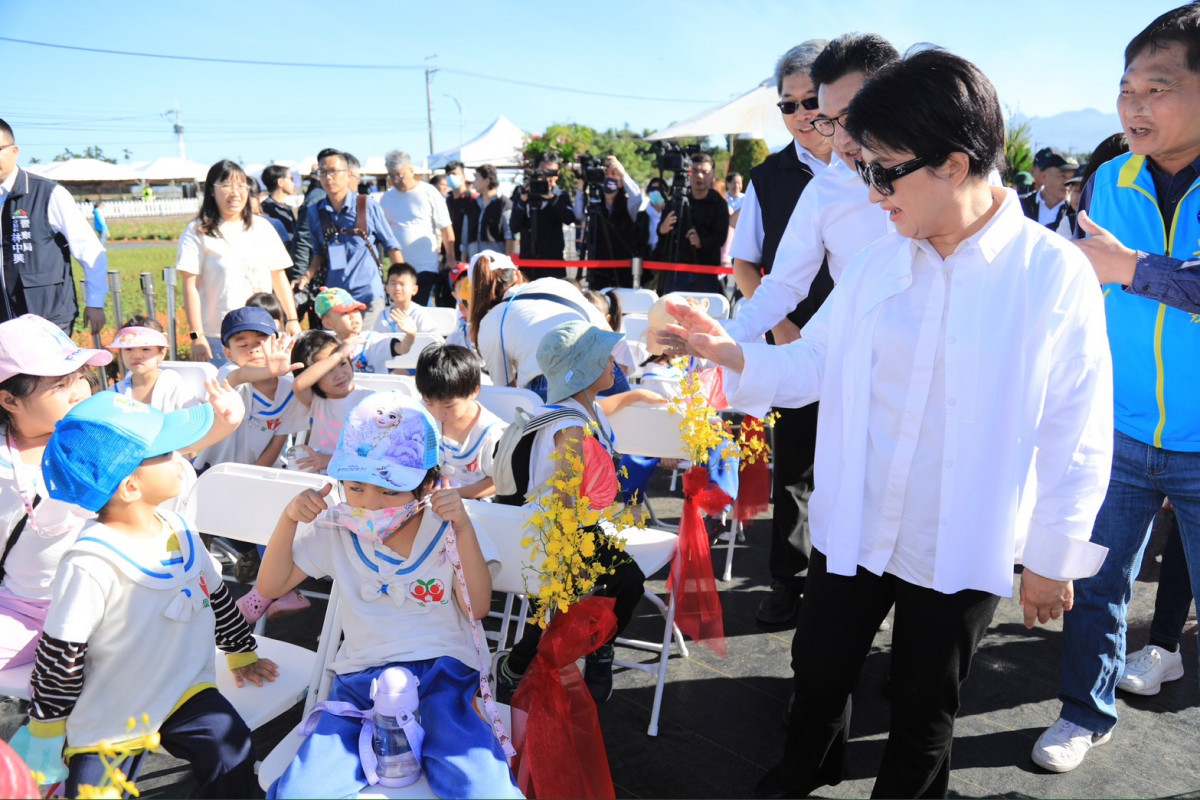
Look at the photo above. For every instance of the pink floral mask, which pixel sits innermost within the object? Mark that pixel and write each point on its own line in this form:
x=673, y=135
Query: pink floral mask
x=378, y=525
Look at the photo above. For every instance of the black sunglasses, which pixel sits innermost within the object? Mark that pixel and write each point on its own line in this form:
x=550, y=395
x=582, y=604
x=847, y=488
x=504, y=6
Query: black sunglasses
x=881, y=178
x=790, y=106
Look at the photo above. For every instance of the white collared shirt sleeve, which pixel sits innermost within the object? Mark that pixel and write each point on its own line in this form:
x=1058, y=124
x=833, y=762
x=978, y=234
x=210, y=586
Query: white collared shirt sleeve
x=633, y=195
x=65, y=218
x=748, y=235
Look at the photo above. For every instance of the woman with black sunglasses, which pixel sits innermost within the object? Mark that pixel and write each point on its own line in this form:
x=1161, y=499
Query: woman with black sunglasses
x=966, y=403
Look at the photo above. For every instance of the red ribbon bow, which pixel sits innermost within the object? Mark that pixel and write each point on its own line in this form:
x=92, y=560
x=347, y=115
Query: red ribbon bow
x=697, y=603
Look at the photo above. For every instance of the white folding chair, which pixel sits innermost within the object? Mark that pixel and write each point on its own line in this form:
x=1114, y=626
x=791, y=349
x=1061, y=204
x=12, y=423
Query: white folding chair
x=503, y=401
x=635, y=301
x=444, y=319
x=194, y=374
x=386, y=382
x=409, y=359
x=634, y=326
x=244, y=502
x=14, y=681
x=718, y=304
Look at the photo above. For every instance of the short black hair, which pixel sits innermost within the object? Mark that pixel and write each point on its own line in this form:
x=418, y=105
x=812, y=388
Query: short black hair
x=6, y=130
x=488, y=173
x=1178, y=26
x=268, y=302
x=329, y=151
x=548, y=157
x=308, y=347
x=272, y=175
x=401, y=268
x=452, y=165
x=143, y=321
x=851, y=52
x=447, y=372
x=931, y=103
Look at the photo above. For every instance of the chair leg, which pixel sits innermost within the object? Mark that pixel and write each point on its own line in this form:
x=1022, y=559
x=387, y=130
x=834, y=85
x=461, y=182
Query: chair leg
x=669, y=631
x=735, y=530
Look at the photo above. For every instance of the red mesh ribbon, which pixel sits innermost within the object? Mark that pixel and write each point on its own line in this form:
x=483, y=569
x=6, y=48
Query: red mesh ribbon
x=562, y=753
x=754, y=480
x=712, y=384
x=697, y=604
x=599, y=484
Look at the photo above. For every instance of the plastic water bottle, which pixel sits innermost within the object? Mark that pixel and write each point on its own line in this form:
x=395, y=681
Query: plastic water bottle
x=394, y=692
x=295, y=453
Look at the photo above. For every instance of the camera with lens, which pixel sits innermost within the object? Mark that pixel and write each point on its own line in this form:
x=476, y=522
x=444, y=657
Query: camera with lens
x=673, y=157
x=303, y=300
x=592, y=172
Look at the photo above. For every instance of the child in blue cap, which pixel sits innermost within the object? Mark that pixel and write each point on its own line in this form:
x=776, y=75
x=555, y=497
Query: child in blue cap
x=137, y=604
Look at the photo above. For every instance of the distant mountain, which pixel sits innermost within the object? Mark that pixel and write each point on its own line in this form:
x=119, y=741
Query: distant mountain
x=1076, y=131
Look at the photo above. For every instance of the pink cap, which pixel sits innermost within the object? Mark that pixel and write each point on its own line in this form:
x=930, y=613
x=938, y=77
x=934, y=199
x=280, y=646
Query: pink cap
x=137, y=336
x=30, y=345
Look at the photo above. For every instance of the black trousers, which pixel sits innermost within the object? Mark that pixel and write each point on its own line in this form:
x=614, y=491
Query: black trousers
x=626, y=585
x=934, y=637
x=792, y=483
x=205, y=731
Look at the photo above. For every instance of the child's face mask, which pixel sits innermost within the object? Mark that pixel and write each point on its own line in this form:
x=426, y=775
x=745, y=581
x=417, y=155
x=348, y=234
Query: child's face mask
x=377, y=525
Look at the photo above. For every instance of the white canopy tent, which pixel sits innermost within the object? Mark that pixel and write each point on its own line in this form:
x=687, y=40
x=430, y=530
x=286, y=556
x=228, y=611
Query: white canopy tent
x=85, y=170
x=500, y=144
x=753, y=113
x=173, y=168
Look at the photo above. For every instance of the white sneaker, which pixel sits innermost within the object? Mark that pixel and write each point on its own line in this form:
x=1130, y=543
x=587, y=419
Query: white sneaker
x=1149, y=668
x=1062, y=747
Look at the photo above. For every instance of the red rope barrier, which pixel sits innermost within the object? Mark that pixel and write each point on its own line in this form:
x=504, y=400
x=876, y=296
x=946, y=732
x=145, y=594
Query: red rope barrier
x=703, y=269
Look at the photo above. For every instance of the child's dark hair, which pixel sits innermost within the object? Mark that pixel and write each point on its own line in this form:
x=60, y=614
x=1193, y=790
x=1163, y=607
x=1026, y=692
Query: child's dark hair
x=609, y=304
x=269, y=303
x=447, y=372
x=20, y=387
x=307, y=349
x=142, y=321
x=400, y=268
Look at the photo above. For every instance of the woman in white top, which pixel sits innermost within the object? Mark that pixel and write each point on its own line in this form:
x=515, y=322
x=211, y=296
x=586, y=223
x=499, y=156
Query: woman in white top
x=966, y=411
x=225, y=255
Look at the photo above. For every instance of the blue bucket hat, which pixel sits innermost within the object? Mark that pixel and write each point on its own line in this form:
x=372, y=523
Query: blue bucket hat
x=101, y=441
x=388, y=440
x=573, y=356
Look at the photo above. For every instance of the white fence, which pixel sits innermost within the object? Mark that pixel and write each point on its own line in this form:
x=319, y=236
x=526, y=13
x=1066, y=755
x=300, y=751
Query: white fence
x=114, y=209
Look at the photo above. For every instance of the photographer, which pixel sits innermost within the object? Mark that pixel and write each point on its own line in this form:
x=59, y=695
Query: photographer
x=695, y=233
x=606, y=210
x=540, y=210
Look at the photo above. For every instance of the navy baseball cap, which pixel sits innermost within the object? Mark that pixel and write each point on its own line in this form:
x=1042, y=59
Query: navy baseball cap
x=1048, y=157
x=102, y=440
x=250, y=318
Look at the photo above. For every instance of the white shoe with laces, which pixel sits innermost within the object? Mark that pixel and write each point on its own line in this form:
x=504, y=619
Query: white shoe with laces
x=1149, y=668
x=1062, y=746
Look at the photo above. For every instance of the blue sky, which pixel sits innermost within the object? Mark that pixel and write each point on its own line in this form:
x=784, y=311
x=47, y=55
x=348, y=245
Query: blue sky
x=1043, y=57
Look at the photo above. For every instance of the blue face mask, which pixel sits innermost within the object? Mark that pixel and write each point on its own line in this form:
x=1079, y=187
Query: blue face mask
x=454, y=180
x=656, y=198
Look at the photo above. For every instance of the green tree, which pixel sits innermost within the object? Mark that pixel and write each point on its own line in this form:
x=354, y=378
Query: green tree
x=747, y=153
x=1018, y=153
x=91, y=152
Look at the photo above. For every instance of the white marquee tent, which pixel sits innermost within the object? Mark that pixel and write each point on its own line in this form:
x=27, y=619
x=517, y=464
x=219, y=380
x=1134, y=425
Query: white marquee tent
x=85, y=170
x=500, y=145
x=173, y=168
x=753, y=113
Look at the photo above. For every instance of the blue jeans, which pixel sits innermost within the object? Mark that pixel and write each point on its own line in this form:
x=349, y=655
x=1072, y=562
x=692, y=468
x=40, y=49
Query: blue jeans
x=1094, y=630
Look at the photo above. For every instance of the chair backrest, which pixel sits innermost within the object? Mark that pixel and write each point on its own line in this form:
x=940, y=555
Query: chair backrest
x=635, y=326
x=244, y=502
x=385, y=382
x=635, y=301
x=409, y=359
x=505, y=526
x=718, y=304
x=645, y=430
x=651, y=548
x=503, y=401
x=446, y=319
x=194, y=374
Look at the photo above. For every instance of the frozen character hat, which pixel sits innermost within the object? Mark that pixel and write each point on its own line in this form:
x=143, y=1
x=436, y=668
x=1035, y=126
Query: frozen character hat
x=102, y=440
x=388, y=440
x=138, y=336
x=573, y=356
x=31, y=345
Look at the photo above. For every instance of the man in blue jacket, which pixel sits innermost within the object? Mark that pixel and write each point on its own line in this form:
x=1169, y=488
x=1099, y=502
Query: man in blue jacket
x=1143, y=215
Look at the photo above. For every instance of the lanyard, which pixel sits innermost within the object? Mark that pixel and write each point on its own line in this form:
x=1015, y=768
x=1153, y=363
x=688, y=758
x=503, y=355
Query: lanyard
x=15, y=458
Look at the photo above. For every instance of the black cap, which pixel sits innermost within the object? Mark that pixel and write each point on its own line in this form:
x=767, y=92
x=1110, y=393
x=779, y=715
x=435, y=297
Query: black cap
x=1048, y=157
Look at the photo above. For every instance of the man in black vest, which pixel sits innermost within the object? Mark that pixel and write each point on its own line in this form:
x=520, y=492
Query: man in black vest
x=486, y=222
x=1048, y=205
x=542, y=217
x=42, y=228
x=775, y=186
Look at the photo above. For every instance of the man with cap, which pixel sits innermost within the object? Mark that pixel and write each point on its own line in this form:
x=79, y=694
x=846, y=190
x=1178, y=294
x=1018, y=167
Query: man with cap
x=1048, y=206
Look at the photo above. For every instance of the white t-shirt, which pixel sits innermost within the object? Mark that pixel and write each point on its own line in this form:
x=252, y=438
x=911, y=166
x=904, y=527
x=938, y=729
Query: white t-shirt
x=417, y=217
x=472, y=459
x=232, y=266
x=420, y=317
x=141, y=605
x=327, y=415
x=511, y=358
x=373, y=353
x=542, y=464
x=170, y=393
x=266, y=418
x=394, y=609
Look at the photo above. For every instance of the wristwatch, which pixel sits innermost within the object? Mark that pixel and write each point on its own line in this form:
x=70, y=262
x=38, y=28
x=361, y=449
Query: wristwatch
x=193, y=336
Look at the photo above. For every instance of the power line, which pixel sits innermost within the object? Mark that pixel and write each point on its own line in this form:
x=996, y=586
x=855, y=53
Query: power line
x=389, y=67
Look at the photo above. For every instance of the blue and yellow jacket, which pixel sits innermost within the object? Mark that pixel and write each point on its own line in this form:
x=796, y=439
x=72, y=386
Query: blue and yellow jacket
x=1155, y=348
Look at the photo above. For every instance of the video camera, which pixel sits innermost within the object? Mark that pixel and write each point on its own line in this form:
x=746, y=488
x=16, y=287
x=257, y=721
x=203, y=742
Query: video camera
x=537, y=182
x=673, y=157
x=592, y=172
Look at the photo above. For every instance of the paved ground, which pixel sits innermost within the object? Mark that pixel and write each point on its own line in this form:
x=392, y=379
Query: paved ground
x=721, y=718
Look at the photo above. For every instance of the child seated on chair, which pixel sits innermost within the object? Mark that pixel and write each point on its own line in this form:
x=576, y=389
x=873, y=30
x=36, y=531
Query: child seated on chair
x=259, y=369
x=401, y=605
x=403, y=315
x=137, y=604
x=325, y=386
x=448, y=379
x=460, y=290
x=268, y=302
x=341, y=315
x=142, y=346
x=576, y=358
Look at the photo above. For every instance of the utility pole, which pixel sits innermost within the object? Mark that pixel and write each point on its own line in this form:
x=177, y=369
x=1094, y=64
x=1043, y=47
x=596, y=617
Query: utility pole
x=429, y=97
x=179, y=131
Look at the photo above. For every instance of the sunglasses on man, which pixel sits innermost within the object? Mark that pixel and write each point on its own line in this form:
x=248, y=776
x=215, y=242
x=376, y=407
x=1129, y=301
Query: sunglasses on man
x=791, y=106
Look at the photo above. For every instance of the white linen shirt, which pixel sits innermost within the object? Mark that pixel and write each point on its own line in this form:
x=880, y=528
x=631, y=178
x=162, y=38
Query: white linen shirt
x=748, y=235
x=833, y=218
x=1024, y=411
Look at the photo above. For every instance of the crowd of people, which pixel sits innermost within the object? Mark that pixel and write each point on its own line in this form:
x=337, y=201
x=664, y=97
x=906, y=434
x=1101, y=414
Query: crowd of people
x=949, y=447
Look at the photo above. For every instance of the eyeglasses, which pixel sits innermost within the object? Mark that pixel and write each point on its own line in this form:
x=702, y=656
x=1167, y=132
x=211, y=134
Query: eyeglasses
x=329, y=173
x=791, y=106
x=881, y=178
x=827, y=125
x=233, y=186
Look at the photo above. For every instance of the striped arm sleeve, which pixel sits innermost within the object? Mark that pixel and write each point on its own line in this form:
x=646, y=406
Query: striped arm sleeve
x=233, y=634
x=57, y=678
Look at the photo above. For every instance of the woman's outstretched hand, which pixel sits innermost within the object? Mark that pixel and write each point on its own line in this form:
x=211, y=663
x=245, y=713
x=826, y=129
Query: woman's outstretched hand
x=699, y=335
